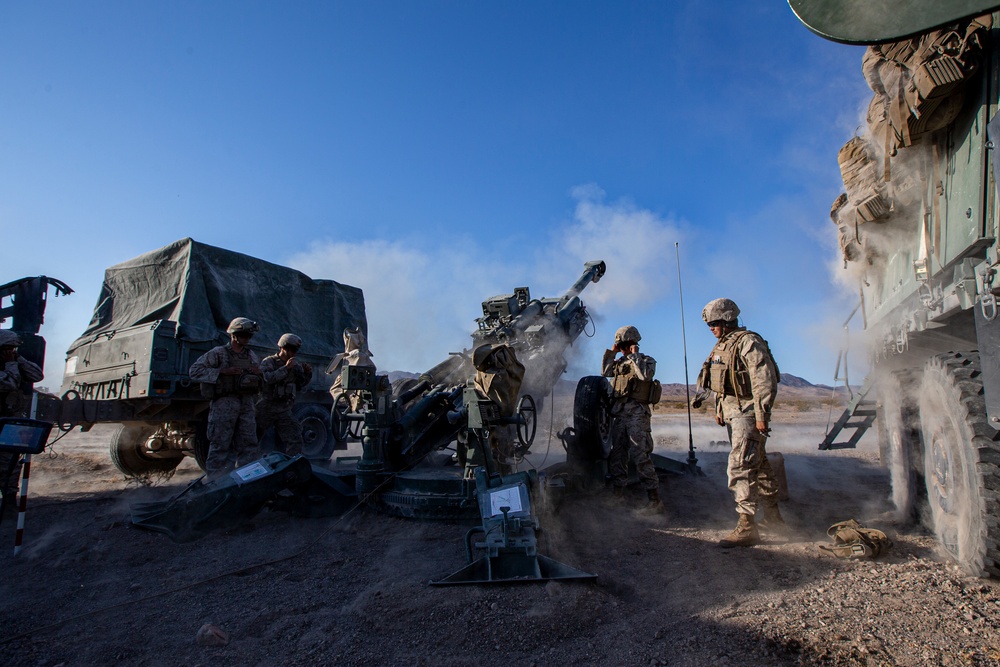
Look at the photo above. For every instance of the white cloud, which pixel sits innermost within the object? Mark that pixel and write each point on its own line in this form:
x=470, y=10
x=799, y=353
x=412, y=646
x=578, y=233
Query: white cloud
x=422, y=300
x=636, y=244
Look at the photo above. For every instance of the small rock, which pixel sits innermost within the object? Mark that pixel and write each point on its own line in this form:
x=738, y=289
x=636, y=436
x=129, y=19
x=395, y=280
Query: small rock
x=210, y=635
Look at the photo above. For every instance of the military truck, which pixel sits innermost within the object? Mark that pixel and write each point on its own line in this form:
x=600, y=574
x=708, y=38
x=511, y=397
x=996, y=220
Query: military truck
x=918, y=228
x=159, y=312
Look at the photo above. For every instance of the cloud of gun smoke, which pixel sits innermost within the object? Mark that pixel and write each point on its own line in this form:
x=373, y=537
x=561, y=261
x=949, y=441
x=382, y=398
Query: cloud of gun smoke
x=422, y=299
x=637, y=245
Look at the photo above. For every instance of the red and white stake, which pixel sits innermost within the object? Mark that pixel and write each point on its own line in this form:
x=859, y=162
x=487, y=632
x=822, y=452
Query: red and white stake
x=22, y=505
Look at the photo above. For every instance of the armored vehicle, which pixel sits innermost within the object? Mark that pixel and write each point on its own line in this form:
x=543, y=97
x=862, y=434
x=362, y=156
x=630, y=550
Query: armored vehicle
x=159, y=312
x=918, y=228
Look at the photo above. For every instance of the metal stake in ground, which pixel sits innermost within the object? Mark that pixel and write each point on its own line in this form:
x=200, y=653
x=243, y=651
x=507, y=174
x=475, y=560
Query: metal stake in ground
x=22, y=506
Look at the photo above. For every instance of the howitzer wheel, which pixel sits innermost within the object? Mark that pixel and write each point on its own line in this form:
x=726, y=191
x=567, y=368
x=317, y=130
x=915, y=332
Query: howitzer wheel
x=528, y=423
x=340, y=426
x=130, y=455
x=592, y=419
x=961, y=462
x=317, y=439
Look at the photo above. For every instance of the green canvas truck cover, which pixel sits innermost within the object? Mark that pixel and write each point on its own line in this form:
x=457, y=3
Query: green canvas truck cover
x=202, y=288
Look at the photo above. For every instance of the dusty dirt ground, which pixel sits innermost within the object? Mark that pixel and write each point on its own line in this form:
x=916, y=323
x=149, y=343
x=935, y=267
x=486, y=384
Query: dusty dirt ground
x=89, y=589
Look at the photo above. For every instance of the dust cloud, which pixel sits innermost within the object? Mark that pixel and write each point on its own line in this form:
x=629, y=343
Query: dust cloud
x=422, y=297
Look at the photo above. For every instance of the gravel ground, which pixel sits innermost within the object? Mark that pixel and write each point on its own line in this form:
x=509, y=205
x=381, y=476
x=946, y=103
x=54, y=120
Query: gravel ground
x=89, y=589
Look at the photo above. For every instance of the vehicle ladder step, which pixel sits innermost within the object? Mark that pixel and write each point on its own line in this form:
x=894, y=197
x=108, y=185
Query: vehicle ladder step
x=858, y=416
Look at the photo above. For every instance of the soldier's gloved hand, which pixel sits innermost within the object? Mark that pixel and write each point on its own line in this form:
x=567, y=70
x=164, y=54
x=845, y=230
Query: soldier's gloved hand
x=8, y=354
x=719, y=420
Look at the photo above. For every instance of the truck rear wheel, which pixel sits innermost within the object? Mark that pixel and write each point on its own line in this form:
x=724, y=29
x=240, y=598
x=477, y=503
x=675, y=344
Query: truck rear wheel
x=131, y=456
x=592, y=418
x=961, y=462
x=317, y=439
x=899, y=439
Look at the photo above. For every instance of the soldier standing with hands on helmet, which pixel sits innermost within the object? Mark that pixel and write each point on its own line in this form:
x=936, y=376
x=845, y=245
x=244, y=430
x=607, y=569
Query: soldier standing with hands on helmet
x=284, y=377
x=230, y=375
x=742, y=373
x=632, y=395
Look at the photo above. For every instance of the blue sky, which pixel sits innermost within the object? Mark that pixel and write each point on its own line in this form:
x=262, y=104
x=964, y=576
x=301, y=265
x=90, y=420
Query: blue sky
x=437, y=153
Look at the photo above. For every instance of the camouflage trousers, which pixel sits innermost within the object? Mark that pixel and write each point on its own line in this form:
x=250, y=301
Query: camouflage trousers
x=10, y=475
x=232, y=434
x=632, y=439
x=750, y=477
x=287, y=429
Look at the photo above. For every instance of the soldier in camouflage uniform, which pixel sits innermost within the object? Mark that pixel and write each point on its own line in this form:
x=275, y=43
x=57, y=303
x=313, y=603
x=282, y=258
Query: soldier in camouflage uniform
x=284, y=378
x=743, y=375
x=17, y=374
x=631, y=433
x=498, y=377
x=233, y=372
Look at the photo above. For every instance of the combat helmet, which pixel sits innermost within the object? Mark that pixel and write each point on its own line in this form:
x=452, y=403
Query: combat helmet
x=627, y=334
x=9, y=339
x=720, y=309
x=290, y=340
x=243, y=325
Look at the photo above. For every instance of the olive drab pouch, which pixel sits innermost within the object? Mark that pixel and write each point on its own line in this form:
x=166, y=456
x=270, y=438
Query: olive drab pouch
x=852, y=540
x=249, y=383
x=655, y=392
x=644, y=391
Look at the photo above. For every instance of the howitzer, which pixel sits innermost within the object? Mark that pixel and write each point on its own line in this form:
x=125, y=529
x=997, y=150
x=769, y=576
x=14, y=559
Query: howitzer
x=406, y=423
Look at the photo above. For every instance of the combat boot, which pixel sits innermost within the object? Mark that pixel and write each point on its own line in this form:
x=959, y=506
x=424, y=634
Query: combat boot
x=772, y=519
x=744, y=535
x=654, y=505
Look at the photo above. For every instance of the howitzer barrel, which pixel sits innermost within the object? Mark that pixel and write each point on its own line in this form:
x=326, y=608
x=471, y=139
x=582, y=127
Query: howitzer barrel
x=592, y=272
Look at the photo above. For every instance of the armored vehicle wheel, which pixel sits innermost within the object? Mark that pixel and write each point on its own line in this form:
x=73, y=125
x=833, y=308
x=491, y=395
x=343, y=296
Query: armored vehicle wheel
x=130, y=454
x=592, y=418
x=960, y=462
x=317, y=440
x=899, y=438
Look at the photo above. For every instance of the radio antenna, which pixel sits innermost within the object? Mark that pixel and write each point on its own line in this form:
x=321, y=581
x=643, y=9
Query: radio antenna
x=692, y=461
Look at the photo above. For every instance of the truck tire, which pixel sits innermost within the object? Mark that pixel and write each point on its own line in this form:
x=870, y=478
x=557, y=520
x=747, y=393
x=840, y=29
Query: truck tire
x=961, y=460
x=899, y=438
x=129, y=454
x=317, y=439
x=592, y=419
